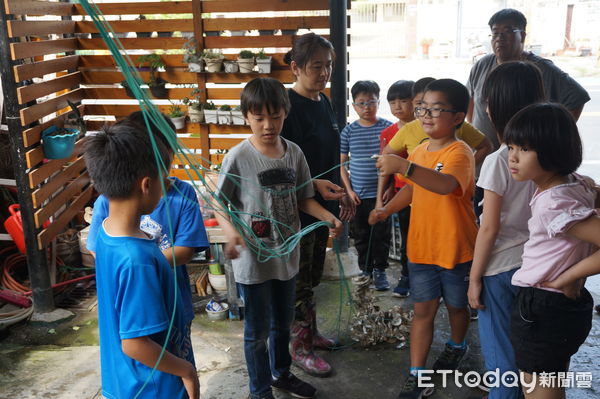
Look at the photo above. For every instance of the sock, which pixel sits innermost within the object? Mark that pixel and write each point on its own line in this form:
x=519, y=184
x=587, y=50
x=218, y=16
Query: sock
x=453, y=344
x=415, y=370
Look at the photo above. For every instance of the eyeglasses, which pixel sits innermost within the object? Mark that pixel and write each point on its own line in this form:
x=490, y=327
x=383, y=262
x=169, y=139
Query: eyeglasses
x=433, y=112
x=497, y=35
x=367, y=104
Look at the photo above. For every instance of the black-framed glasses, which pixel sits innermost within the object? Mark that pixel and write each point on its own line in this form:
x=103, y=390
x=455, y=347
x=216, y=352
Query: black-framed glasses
x=367, y=104
x=506, y=33
x=433, y=112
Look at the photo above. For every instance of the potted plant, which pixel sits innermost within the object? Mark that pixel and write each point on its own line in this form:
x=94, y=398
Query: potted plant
x=210, y=112
x=224, y=114
x=213, y=60
x=246, y=61
x=236, y=116
x=74, y=119
x=231, y=66
x=192, y=57
x=263, y=62
x=127, y=89
x=156, y=83
x=177, y=116
x=195, y=107
x=58, y=142
x=142, y=17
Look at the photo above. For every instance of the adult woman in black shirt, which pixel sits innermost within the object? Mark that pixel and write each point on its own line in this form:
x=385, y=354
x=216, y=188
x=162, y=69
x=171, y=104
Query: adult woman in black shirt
x=312, y=125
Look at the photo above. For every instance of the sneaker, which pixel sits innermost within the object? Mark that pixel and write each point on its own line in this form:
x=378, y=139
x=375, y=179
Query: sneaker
x=402, y=290
x=294, y=386
x=473, y=314
x=411, y=389
x=597, y=309
x=450, y=358
x=365, y=273
x=380, y=280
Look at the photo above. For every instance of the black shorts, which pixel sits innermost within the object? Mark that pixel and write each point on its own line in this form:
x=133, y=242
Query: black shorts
x=547, y=328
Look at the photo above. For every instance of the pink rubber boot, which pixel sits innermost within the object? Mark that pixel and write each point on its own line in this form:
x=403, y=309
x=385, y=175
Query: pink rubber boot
x=302, y=352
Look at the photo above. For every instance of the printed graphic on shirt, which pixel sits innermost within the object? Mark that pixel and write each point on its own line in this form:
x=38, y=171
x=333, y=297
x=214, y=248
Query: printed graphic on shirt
x=281, y=205
x=439, y=167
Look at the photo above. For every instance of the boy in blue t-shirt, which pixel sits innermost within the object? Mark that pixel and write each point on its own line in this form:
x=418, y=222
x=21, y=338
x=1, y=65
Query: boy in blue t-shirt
x=137, y=298
x=360, y=139
x=179, y=208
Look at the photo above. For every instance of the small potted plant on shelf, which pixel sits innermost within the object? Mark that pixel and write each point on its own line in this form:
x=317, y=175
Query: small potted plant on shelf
x=236, y=116
x=177, y=116
x=142, y=17
x=192, y=57
x=156, y=83
x=195, y=107
x=59, y=142
x=213, y=60
x=210, y=112
x=224, y=114
x=246, y=61
x=263, y=62
x=231, y=66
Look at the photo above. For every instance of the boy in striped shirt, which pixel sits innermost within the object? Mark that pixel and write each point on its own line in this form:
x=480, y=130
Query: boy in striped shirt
x=359, y=142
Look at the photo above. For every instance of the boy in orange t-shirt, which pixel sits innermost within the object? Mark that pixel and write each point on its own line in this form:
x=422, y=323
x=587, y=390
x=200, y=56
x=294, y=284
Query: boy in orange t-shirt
x=442, y=232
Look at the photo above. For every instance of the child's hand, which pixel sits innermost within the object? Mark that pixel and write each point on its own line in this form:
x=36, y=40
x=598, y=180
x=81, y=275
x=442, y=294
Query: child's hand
x=377, y=215
x=328, y=190
x=336, y=227
x=388, y=194
x=474, y=294
x=347, y=209
x=570, y=290
x=231, y=247
x=354, y=197
x=389, y=164
x=192, y=384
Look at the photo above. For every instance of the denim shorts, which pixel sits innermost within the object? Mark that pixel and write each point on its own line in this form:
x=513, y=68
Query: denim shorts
x=429, y=282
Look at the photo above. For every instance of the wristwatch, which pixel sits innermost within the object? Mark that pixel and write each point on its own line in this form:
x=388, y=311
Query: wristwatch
x=409, y=169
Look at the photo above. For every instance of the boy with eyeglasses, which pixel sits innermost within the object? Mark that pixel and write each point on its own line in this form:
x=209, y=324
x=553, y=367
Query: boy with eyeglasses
x=359, y=141
x=441, y=238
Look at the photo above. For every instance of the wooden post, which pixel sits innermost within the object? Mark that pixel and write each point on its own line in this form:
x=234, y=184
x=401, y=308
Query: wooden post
x=201, y=79
x=39, y=277
x=339, y=77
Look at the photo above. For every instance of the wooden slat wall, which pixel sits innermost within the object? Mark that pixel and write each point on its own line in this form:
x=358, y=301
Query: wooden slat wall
x=59, y=188
x=100, y=76
x=44, y=49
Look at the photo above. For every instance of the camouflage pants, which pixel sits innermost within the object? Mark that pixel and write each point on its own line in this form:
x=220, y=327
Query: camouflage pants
x=312, y=259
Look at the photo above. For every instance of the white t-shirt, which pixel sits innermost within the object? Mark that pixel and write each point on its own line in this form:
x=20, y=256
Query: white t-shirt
x=508, y=248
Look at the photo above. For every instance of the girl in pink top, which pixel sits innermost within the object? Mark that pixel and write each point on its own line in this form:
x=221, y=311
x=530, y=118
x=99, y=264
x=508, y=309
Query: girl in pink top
x=552, y=313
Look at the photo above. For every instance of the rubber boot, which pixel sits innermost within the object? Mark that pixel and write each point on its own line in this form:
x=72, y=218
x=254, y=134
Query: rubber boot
x=302, y=352
x=319, y=341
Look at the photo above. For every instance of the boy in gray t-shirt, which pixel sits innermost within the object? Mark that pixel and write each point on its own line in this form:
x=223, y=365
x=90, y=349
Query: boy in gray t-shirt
x=265, y=180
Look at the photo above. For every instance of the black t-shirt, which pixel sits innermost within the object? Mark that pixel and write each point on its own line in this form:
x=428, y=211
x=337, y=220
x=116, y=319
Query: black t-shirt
x=312, y=125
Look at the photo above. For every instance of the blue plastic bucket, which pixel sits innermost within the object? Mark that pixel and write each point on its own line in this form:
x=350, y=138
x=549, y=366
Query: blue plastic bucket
x=58, y=146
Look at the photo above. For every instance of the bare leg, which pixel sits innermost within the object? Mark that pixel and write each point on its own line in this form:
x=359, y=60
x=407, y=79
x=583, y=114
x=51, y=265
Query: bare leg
x=421, y=331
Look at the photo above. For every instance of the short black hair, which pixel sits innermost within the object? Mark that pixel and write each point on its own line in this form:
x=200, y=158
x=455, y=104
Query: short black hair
x=264, y=92
x=305, y=47
x=137, y=117
x=119, y=155
x=510, y=87
x=420, y=85
x=400, y=90
x=509, y=15
x=550, y=130
x=456, y=93
x=365, y=86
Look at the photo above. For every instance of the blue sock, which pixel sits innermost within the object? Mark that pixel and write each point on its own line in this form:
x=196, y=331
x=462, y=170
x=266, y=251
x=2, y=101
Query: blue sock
x=415, y=370
x=453, y=344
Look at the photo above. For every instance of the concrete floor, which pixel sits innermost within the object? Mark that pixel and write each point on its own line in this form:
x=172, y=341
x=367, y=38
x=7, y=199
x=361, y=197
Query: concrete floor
x=62, y=361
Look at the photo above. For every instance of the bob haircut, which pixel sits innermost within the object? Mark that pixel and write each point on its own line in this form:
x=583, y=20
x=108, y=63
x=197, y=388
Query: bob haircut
x=365, y=86
x=550, y=130
x=510, y=87
x=509, y=15
x=264, y=92
x=400, y=90
x=119, y=155
x=305, y=47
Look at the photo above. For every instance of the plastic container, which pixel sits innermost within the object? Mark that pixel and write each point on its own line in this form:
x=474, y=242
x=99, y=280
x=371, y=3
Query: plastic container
x=215, y=268
x=14, y=226
x=58, y=146
x=218, y=314
x=218, y=282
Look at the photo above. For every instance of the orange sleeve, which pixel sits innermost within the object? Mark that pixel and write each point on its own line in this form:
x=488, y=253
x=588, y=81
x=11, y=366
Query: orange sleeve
x=460, y=164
